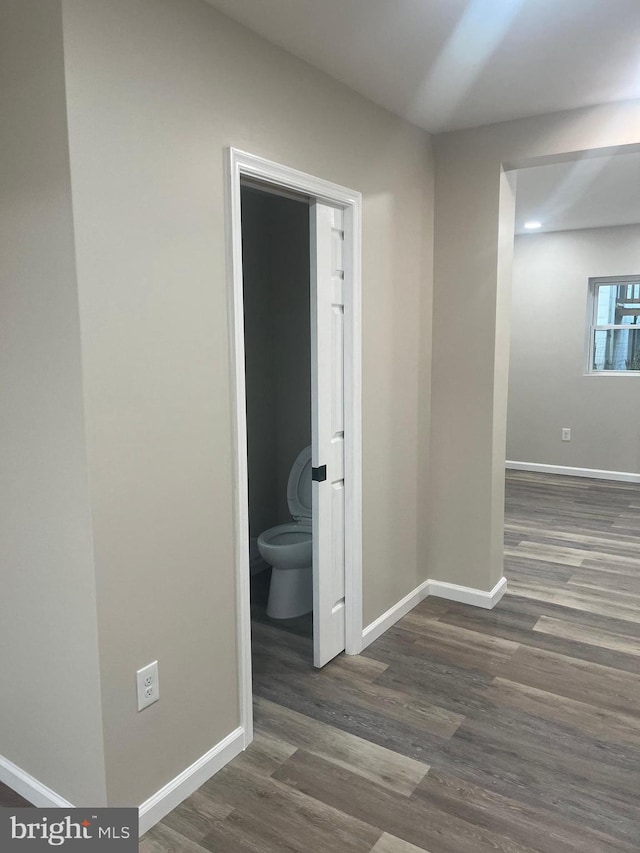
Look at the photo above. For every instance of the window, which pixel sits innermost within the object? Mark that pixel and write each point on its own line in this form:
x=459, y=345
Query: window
x=614, y=325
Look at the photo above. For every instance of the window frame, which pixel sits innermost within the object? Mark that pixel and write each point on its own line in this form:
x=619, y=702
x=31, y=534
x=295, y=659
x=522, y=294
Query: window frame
x=592, y=326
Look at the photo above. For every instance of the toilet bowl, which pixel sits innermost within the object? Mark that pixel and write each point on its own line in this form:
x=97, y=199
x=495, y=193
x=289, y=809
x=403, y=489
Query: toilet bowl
x=288, y=548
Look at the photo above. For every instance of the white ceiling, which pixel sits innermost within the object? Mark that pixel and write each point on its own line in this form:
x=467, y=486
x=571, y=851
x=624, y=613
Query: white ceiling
x=449, y=64
x=588, y=193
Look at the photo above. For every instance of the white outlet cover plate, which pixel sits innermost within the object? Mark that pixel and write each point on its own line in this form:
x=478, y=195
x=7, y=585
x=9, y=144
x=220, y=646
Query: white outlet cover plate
x=148, y=685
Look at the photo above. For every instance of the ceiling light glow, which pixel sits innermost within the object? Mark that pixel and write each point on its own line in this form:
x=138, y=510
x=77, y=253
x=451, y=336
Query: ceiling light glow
x=532, y=224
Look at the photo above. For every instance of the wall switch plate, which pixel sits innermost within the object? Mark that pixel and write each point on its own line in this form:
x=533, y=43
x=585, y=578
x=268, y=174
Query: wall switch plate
x=148, y=685
x=566, y=434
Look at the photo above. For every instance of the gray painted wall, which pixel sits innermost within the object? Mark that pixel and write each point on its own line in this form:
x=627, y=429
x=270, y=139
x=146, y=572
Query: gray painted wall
x=275, y=244
x=547, y=386
x=50, y=716
x=259, y=364
x=156, y=91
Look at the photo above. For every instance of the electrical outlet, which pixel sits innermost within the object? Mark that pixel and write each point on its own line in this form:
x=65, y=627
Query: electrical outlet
x=566, y=434
x=148, y=685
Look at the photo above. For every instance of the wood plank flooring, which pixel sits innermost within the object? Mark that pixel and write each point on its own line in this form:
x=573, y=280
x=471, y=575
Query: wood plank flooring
x=9, y=798
x=460, y=730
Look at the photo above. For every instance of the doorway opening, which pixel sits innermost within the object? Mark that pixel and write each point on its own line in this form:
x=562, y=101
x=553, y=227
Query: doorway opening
x=295, y=261
x=277, y=332
x=572, y=457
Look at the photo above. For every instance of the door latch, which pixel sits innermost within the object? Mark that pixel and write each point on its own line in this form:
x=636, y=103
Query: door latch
x=319, y=474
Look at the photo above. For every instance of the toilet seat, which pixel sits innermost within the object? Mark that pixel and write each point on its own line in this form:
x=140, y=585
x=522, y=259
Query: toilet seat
x=287, y=546
x=286, y=534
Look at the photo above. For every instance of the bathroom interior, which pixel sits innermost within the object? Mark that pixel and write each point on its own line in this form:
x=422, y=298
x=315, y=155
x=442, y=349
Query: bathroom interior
x=276, y=293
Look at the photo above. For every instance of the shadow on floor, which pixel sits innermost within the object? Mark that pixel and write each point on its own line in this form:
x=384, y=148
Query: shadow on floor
x=301, y=625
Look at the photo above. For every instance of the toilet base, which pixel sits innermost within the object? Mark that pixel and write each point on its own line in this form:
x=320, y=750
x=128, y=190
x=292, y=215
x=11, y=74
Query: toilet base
x=290, y=593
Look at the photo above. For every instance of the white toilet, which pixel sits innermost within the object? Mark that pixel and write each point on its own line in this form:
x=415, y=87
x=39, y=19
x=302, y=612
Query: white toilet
x=288, y=548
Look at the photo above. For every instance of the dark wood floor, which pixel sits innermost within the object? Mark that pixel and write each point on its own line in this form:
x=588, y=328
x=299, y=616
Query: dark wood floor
x=460, y=730
x=9, y=799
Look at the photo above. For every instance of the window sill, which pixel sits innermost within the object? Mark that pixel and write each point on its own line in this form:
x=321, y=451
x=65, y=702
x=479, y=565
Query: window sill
x=613, y=373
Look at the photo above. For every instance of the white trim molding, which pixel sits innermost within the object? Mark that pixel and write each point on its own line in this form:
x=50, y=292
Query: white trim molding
x=439, y=589
x=393, y=614
x=29, y=787
x=469, y=595
x=565, y=470
x=185, y=783
x=241, y=166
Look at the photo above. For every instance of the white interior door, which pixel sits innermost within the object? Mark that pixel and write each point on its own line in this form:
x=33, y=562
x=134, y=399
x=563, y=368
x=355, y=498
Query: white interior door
x=327, y=393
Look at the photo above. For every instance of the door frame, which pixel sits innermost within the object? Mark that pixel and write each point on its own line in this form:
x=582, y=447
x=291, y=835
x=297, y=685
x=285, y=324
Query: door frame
x=240, y=164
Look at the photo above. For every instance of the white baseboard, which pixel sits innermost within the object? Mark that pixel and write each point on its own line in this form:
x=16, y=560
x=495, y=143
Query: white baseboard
x=153, y=809
x=185, y=783
x=29, y=787
x=469, y=595
x=384, y=622
x=439, y=589
x=593, y=473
